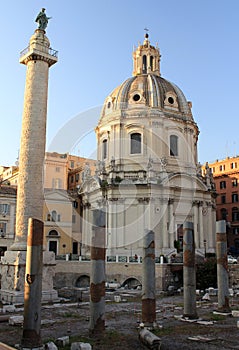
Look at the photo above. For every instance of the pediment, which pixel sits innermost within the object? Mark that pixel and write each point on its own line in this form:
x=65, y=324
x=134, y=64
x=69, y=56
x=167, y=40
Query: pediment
x=58, y=195
x=186, y=181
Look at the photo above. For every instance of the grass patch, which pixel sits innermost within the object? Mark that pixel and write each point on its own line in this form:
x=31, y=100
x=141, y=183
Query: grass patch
x=164, y=331
x=106, y=341
x=217, y=317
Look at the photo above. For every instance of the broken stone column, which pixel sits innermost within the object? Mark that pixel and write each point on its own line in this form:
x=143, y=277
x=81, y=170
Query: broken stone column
x=148, y=285
x=97, y=284
x=189, y=272
x=31, y=337
x=222, y=267
x=151, y=340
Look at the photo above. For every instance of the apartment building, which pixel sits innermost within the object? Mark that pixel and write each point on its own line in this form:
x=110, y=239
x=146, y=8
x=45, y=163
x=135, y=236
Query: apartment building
x=226, y=176
x=7, y=216
x=61, y=213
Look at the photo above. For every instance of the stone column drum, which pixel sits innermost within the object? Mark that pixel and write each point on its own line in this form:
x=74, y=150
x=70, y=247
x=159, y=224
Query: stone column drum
x=97, y=284
x=38, y=57
x=222, y=267
x=148, y=285
x=31, y=336
x=189, y=272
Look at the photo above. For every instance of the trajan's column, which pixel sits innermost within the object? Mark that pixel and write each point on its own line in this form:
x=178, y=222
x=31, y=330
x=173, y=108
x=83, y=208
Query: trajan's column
x=38, y=57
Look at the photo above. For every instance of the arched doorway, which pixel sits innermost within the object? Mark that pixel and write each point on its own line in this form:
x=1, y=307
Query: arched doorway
x=132, y=283
x=82, y=281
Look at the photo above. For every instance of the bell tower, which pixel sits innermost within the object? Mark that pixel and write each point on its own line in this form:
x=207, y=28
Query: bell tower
x=146, y=59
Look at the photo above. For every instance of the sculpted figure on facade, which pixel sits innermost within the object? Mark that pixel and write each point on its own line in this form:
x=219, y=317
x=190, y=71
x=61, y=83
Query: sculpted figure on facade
x=87, y=172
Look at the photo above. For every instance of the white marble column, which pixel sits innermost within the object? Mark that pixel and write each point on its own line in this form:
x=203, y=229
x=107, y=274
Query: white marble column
x=120, y=217
x=86, y=236
x=201, y=232
x=171, y=223
x=209, y=226
x=141, y=212
x=195, y=224
x=165, y=223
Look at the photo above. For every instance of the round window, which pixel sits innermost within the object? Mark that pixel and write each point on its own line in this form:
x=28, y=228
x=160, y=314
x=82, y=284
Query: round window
x=136, y=97
x=171, y=100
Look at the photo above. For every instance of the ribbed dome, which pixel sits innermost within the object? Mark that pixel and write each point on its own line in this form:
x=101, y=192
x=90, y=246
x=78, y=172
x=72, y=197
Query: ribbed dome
x=148, y=90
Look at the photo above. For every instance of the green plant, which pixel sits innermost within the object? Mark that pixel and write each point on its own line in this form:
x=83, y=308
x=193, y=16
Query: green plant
x=177, y=245
x=217, y=317
x=206, y=274
x=104, y=183
x=118, y=179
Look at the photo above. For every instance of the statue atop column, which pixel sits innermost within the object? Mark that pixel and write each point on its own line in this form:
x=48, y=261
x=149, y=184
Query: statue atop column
x=42, y=19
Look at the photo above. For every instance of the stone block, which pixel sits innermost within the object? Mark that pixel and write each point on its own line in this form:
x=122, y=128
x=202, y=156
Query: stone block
x=15, y=320
x=235, y=313
x=8, y=308
x=63, y=341
x=51, y=346
x=80, y=346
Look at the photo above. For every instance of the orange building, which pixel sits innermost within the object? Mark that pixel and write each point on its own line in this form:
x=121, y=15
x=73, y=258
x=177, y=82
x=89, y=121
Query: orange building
x=63, y=174
x=226, y=176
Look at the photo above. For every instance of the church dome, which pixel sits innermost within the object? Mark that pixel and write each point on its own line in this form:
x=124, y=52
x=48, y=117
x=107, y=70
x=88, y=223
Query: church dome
x=147, y=89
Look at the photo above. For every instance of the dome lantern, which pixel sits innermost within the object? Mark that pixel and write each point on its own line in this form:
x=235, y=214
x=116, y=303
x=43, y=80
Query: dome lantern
x=146, y=58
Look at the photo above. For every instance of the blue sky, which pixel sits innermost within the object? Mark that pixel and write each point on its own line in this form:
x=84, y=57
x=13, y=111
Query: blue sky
x=198, y=40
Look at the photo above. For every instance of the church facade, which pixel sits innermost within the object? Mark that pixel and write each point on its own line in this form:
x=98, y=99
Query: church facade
x=148, y=176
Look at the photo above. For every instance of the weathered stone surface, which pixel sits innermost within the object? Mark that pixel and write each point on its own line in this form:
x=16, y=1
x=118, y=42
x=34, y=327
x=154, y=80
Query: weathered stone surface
x=63, y=341
x=51, y=346
x=235, y=313
x=80, y=346
x=149, y=339
x=15, y=320
x=9, y=308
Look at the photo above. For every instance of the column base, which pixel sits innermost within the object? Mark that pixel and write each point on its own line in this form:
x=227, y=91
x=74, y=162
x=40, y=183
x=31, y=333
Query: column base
x=12, y=267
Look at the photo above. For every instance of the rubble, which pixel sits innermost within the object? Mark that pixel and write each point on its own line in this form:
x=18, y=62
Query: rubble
x=201, y=339
x=63, y=341
x=51, y=346
x=80, y=346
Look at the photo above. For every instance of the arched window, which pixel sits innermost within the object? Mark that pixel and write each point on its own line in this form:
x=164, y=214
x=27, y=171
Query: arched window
x=104, y=149
x=54, y=215
x=135, y=143
x=53, y=233
x=151, y=62
x=144, y=64
x=48, y=217
x=173, y=145
x=223, y=214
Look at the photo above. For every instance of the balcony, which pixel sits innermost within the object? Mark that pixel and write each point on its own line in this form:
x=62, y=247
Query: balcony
x=50, y=51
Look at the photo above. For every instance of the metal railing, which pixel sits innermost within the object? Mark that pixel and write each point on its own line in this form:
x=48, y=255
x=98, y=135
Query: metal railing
x=121, y=259
x=51, y=51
